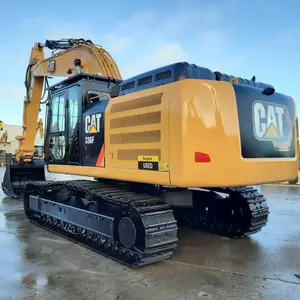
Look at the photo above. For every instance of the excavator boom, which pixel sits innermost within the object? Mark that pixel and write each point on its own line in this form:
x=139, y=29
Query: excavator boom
x=75, y=56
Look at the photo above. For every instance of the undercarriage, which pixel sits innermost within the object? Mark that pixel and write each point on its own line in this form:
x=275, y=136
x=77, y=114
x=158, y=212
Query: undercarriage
x=138, y=226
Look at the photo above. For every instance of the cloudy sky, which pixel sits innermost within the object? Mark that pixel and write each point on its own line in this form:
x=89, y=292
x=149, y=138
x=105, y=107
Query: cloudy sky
x=242, y=38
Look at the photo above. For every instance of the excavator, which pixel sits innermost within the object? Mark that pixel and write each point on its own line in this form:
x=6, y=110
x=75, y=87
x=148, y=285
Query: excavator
x=39, y=153
x=38, y=149
x=4, y=136
x=179, y=145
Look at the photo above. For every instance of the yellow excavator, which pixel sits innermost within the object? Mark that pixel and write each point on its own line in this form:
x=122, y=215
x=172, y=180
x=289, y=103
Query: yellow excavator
x=38, y=149
x=3, y=138
x=39, y=152
x=179, y=145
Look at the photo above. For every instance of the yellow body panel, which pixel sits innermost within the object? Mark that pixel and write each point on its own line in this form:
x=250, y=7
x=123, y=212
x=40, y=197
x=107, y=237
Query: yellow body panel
x=114, y=173
x=173, y=122
x=207, y=121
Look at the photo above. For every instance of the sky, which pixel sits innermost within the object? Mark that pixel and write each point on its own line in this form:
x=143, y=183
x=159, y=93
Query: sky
x=241, y=38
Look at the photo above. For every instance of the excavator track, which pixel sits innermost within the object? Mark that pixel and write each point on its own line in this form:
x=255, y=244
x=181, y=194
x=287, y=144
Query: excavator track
x=243, y=213
x=133, y=229
x=138, y=228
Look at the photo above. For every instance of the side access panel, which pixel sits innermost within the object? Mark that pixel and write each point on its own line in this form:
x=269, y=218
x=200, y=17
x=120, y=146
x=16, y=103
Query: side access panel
x=137, y=132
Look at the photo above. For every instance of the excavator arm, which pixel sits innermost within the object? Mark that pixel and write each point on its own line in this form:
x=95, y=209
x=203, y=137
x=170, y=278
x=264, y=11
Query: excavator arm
x=70, y=57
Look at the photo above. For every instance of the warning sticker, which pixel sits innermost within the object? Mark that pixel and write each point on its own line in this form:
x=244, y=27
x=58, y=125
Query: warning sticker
x=163, y=166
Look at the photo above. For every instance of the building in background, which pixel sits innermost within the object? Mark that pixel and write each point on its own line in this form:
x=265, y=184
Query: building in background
x=12, y=143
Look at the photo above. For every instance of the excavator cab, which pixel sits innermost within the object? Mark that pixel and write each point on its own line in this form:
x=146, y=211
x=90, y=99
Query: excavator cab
x=66, y=142
x=69, y=100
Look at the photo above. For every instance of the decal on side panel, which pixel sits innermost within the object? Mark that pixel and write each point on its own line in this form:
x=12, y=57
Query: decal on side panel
x=273, y=123
x=92, y=123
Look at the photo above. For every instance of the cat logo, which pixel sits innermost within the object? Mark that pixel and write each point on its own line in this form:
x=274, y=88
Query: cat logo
x=272, y=123
x=92, y=123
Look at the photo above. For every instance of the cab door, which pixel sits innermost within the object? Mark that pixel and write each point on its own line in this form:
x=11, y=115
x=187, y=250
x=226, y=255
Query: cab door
x=64, y=127
x=57, y=133
x=73, y=121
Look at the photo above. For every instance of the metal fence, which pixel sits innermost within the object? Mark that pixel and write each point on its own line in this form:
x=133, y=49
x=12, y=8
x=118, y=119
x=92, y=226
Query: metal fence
x=5, y=158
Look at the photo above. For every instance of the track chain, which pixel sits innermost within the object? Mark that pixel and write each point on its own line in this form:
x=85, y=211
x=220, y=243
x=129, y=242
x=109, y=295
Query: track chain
x=242, y=213
x=157, y=223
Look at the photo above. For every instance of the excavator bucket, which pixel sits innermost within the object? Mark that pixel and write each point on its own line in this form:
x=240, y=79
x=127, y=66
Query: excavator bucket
x=17, y=175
